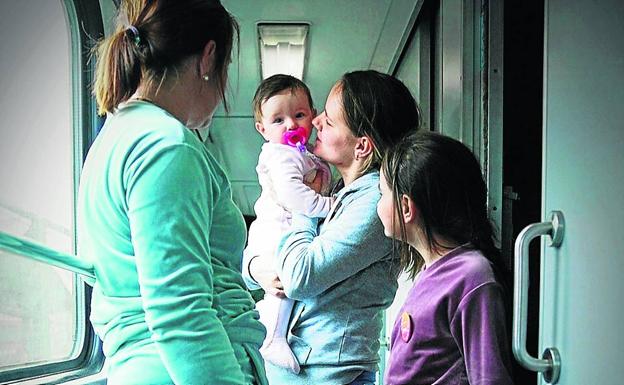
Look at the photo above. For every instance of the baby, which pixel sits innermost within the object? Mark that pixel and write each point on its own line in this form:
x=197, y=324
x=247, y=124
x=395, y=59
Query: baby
x=283, y=112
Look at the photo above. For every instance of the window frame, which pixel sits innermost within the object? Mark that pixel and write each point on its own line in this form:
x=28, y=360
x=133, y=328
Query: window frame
x=84, y=20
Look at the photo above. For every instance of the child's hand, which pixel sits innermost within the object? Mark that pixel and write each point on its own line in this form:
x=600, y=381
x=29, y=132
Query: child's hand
x=261, y=271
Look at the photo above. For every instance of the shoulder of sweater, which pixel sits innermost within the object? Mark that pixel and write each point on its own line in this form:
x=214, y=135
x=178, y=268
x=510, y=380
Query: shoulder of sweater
x=361, y=189
x=149, y=122
x=474, y=268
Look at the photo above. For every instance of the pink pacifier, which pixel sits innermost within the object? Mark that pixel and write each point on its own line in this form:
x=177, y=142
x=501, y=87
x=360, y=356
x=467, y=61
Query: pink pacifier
x=296, y=138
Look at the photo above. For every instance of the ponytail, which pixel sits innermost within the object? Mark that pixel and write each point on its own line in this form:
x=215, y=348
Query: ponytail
x=155, y=36
x=118, y=70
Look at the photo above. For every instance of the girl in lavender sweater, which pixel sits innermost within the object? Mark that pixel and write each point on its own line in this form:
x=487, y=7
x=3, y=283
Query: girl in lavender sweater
x=451, y=328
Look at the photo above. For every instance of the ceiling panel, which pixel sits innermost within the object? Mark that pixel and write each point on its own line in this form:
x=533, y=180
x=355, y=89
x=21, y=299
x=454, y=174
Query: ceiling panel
x=343, y=37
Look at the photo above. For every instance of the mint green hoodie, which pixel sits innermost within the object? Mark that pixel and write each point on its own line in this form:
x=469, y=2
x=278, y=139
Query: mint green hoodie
x=157, y=220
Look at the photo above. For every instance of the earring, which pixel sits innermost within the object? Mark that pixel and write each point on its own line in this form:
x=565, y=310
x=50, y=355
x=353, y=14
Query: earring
x=205, y=77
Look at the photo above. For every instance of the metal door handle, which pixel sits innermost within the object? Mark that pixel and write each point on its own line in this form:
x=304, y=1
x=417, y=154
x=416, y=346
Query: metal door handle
x=550, y=363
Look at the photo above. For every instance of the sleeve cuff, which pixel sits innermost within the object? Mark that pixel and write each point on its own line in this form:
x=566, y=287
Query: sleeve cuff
x=303, y=222
x=249, y=281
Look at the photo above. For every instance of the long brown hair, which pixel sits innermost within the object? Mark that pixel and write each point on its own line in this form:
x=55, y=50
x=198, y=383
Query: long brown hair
x=443, y=178
x=154, y=37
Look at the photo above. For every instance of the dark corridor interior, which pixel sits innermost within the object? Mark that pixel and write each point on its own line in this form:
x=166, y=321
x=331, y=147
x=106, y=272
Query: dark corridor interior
x=522, y=149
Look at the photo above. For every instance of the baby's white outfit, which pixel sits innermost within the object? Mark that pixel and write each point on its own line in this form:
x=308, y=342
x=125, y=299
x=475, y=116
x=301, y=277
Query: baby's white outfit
x=282, y=170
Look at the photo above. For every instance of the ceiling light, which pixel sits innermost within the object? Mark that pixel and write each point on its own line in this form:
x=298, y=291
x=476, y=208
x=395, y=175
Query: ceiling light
x=282, y=48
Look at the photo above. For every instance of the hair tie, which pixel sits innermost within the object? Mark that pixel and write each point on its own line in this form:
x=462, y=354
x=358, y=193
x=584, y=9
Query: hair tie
x=136, y=37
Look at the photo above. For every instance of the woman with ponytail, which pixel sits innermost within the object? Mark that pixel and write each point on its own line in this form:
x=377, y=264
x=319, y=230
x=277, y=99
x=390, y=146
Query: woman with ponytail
x=155, y=210
x=452, y=326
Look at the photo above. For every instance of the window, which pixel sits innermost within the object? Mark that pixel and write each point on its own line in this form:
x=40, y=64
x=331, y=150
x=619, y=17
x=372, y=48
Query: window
x=39, y=312
x=43, y=325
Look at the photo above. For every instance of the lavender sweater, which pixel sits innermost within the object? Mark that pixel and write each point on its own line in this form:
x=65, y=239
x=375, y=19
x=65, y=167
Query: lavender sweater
x=451, y=329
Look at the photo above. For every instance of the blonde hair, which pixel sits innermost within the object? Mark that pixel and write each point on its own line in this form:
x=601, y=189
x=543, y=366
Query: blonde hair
x=378, y=106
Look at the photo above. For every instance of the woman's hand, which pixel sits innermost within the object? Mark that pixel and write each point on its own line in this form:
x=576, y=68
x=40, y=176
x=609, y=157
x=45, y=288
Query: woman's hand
x=317, y=182
x=261, y=271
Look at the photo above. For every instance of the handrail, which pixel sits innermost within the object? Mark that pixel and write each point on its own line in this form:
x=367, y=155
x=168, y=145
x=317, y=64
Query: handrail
x=550, y=363
x=44, y=254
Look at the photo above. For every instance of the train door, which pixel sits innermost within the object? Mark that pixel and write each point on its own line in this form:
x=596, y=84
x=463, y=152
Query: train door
x=583, y=179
